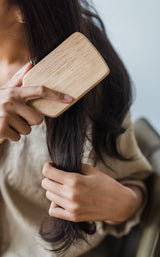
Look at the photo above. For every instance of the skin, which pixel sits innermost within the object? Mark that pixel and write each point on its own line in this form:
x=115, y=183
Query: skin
x=73, y=196
x=16, y=117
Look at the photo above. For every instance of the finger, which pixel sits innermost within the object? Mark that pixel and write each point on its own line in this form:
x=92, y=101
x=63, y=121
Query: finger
x=63, y=203
x=31, y=115
x=12, y=135
x=16, y=80
x=19, y=124
x=53, y=187
x=9, y=133
x=54, y=205
x=55, y=174
x=21, y=74
x=60, y=213
x=36, y=92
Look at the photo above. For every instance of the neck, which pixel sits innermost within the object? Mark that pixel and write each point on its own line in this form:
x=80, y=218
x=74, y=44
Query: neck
x=13, y=48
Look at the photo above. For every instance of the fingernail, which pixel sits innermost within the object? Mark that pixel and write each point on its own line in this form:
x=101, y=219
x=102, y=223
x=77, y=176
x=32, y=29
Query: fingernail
x=68, y=98
x=52, y=164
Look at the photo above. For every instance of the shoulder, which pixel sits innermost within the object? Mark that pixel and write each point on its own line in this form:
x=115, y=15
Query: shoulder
x=138, y=168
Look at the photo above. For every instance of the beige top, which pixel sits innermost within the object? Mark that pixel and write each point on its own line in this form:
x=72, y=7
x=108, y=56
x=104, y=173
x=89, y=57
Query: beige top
x=23, y=201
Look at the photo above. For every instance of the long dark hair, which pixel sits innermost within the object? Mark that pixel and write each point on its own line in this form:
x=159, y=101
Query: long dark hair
x=47, y=24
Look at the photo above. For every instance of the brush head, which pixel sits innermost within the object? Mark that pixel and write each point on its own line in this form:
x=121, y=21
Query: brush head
x=74, y=68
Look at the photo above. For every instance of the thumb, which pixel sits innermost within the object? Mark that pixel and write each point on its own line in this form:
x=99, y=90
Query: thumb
x=16, y=80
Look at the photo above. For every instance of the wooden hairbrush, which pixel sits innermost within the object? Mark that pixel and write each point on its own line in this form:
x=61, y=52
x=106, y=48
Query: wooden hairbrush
x=74, y=68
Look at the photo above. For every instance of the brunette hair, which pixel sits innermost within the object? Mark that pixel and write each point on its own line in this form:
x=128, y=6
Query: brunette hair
x=47, y=24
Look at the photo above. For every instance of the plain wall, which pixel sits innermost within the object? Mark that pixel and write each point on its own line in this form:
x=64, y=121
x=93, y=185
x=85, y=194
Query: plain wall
x=133, y=28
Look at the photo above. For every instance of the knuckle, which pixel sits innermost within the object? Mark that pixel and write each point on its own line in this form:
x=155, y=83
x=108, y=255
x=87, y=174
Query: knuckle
x=4, y=118
x=17, y=138
x=42, y=90
x=48, y=196
x=72, y=196
x=75, y=209
x=44, y=182
x=7, y=104
x=75, y=181
x=27, y=130
x=58, y=94
x=38, y=120
x=45, y=169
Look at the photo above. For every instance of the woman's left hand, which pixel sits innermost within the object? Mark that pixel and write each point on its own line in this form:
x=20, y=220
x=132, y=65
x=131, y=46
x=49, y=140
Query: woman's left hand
x=91, y=196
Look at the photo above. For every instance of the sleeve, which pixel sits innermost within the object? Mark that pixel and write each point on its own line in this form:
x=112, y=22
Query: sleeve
x=132, y=172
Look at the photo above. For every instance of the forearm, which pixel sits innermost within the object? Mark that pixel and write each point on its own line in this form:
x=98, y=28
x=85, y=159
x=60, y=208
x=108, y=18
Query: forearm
x=132, y=201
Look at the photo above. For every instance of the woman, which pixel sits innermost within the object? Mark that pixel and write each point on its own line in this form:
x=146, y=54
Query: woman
x=103, y=191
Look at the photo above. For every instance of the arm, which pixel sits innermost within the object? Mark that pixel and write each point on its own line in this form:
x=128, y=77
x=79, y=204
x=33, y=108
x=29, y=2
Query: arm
x=97, y=195
x=91, y=196
x=132, y=203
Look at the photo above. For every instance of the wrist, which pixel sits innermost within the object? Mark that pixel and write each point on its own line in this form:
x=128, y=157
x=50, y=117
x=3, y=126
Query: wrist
x=130, y=204
x=137, y=197
x=129, y=201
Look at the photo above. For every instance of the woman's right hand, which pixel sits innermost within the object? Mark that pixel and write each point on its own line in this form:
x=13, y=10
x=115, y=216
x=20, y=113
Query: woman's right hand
x=16, y=117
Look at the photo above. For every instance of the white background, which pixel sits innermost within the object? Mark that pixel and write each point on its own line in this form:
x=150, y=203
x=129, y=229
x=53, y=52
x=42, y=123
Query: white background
x=133, y=27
